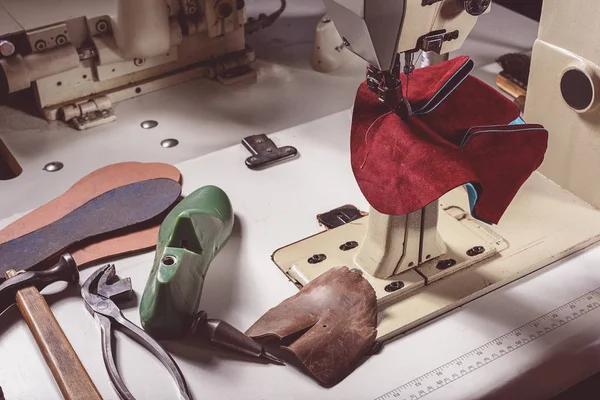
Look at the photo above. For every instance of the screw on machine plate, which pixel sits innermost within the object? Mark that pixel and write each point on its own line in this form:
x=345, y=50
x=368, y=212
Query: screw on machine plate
x=349, y=245
x=475, y=251
x=394, y=286
x=149, y=124
x=317, y=258
x=102, y=25
x=445, y=264
x=53, y=166
x=60, y=40
x=168, y=143
x=40, y=45
x=376, y=349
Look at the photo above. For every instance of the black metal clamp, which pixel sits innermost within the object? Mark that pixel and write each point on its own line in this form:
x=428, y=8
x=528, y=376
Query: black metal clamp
x=265, y=152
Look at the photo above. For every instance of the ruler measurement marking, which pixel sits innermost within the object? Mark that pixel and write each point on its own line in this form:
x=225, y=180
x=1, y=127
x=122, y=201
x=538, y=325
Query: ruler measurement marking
x=495, y=349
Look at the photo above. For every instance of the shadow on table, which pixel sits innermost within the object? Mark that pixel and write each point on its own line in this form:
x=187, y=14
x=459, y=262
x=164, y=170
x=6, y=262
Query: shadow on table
x=23, y=101
x=289, y=41
x=570, y=361
x=12, y=315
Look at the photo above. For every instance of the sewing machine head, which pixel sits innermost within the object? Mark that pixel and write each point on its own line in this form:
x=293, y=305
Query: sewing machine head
x=378, y=30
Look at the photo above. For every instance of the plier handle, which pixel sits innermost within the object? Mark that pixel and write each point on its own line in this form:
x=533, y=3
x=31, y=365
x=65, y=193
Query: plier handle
x=98, y=294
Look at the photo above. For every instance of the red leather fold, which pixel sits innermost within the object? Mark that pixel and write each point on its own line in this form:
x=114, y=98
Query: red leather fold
x=461, y=133
x=473, y=103
x=502, y=170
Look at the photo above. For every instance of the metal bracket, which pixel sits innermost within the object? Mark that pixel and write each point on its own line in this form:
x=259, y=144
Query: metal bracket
x=94, y=118
x=340, y=216
x=88, y=114
x=433, y=41
x=265, y=152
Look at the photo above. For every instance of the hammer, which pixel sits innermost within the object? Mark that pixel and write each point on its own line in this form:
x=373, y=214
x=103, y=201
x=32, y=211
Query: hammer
x=23, y=288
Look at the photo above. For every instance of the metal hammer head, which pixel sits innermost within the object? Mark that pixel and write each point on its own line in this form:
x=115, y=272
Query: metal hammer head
x=66, y=270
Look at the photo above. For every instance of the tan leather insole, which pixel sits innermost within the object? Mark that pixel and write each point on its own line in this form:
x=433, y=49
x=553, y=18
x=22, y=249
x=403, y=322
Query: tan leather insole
x=86, y=189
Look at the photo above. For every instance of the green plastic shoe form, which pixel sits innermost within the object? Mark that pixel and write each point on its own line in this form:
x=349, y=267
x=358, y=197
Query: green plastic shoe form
x=188, y=240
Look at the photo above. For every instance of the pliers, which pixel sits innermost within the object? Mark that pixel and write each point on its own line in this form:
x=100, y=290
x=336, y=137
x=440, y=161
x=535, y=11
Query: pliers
x=99, y=293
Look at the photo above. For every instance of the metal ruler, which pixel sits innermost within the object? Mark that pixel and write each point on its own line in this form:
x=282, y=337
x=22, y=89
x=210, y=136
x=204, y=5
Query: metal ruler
x=495, y=349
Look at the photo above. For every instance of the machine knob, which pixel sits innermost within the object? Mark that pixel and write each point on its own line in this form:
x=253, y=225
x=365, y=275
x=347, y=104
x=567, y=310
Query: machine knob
x=476, y=7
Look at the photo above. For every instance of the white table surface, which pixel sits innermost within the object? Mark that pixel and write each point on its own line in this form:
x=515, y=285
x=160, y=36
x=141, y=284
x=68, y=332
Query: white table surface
x=275, y=207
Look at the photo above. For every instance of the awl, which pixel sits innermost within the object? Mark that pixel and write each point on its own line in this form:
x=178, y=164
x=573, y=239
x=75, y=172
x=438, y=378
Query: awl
x=222, y=334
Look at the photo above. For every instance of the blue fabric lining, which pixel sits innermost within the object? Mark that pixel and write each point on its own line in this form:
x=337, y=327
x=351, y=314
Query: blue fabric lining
x=518, y=121
x=472, y=193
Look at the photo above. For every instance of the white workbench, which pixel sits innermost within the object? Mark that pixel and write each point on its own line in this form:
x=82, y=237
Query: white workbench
x=275, y=207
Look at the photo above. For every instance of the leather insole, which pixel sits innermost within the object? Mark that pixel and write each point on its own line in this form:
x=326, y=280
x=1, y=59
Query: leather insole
x=87, y=188
x=120, y=208
x=122, y=245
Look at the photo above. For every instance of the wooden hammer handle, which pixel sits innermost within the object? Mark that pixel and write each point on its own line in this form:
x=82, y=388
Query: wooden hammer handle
x=69, y=373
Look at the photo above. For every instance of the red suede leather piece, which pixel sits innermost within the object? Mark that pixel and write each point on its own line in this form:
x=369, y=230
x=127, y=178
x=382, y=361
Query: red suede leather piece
x=504, y=158
x=477, y=104
x=401, y=166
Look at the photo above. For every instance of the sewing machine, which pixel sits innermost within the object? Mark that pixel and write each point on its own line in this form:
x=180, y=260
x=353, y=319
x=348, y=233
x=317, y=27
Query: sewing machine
x=431, y=261
x=101, y=53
